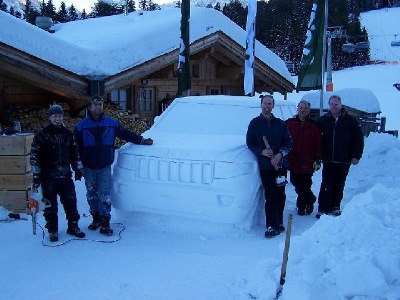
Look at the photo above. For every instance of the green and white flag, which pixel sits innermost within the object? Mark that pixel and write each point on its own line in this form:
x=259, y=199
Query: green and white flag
x=311, y=66
x=250, y=48
x=184, y=79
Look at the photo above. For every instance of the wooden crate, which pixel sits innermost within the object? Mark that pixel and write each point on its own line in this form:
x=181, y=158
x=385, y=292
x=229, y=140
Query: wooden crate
x=18, y=144
x=16, y=182
x=15, y=201
x=15, y=175
x=15, y=164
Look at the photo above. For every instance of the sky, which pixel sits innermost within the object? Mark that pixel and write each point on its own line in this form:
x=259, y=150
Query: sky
x=153, y=256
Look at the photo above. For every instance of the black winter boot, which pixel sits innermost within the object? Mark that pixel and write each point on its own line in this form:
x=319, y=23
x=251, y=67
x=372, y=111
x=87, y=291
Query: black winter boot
x=74, y=230
x=96, y=221
x=53, y=236
x=105, y=226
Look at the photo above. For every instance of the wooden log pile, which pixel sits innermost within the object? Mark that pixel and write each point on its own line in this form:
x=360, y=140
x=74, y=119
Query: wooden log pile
x=33, y=119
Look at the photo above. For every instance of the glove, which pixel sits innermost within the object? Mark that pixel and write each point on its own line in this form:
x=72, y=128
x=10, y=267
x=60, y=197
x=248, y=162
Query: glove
x=36, y=181
x=316, y=165
x=78, y=175
x=146, y=142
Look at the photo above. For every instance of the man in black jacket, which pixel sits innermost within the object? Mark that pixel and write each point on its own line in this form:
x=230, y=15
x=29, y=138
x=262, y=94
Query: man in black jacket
x=269, y=139
x=343, y=144
x=53, y=153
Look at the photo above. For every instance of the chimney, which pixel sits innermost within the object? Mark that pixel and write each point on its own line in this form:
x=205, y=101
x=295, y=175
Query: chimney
x=44, y=23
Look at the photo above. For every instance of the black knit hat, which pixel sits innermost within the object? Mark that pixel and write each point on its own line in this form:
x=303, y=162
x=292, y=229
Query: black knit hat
x=96, y=99
x=56, y=109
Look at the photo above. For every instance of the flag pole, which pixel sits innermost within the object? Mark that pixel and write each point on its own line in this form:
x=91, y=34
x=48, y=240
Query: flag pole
x=250, y=48
x=311, y=71
x=184, y=74
x=321, y=98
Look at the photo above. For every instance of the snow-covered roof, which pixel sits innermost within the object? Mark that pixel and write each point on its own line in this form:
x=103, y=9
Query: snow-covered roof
x=109, y=45
x=357, y=98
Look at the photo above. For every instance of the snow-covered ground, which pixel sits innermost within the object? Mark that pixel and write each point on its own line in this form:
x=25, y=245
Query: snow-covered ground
x=354, y=256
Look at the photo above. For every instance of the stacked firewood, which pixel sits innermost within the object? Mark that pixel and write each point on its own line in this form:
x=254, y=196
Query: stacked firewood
x=128, y=120
x=33, y=119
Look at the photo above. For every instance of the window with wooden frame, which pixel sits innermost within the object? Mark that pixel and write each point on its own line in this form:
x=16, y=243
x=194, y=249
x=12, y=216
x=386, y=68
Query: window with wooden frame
x=119, y=97
x=146, y=99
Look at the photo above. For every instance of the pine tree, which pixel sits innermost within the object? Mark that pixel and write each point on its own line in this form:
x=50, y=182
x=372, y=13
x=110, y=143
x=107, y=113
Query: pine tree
x=18, y=14
x=153, y=6
x=62, y=15
x=3, y=6
x=84, y=15
x=42, y=8
x=102, y=9
x=235, y=11
x=281, y=17
x=131, y=6
x=30, y=13
x=51, y=10
x=143, y=4
x=72, y=13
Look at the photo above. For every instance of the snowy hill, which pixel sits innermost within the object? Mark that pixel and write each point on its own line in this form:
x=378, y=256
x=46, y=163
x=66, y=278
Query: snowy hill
x=382, y=26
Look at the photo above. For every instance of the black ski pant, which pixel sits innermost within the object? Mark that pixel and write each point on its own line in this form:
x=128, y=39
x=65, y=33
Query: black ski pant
x=275, y=197
x=65, y=188
x=333, y=180
x=302, y=185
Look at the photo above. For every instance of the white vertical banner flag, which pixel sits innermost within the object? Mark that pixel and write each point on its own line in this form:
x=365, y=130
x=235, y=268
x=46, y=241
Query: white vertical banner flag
x=250, y=47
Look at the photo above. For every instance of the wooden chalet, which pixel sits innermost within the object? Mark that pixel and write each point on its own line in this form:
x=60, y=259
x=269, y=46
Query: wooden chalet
x=217, y=68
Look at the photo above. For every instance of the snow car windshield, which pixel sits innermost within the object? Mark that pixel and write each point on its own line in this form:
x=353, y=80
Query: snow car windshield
x=208, y=118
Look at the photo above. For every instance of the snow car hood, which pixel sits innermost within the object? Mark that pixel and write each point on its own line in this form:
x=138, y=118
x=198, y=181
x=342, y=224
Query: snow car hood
x=193, y=147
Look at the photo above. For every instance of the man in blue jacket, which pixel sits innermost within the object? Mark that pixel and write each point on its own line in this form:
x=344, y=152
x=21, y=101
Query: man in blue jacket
x=269, y=139
x=95, y=136
x=343, y=145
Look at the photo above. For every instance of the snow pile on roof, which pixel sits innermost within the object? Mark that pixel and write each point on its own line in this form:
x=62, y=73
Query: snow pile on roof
x=109, y=45
x=357, y=98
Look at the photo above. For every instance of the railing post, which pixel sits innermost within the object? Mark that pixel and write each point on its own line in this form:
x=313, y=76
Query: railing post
x=383, y=124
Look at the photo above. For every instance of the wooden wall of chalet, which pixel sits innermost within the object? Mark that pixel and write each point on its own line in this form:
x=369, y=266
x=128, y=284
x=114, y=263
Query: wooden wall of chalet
x=16, y=92
x=209, y=76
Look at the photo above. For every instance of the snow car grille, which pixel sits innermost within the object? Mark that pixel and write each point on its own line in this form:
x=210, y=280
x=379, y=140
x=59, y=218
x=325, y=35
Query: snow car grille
x=175, y=171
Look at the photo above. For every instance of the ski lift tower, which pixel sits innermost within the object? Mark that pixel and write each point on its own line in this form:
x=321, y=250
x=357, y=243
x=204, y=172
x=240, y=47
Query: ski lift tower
x=332, y=32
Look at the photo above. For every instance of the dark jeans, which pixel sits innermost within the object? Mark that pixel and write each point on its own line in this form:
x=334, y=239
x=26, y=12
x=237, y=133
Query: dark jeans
x=333, y=180
x=302, y=185
x=65, y=188
x=275, y=197
x=98, y=188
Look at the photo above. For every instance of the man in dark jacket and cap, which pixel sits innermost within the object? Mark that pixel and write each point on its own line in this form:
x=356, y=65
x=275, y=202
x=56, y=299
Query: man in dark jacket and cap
x=53, y=153
x=95, y=136
x=343, y=145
